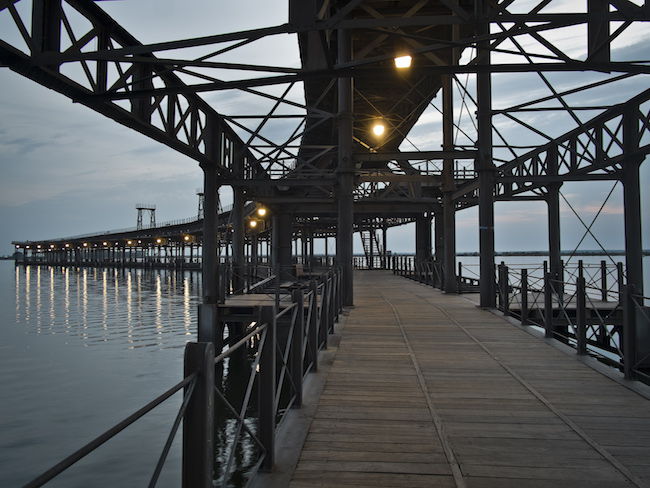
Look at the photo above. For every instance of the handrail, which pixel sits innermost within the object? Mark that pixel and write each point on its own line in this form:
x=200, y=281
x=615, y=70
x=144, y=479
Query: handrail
x=112, y=432
x=306, y=326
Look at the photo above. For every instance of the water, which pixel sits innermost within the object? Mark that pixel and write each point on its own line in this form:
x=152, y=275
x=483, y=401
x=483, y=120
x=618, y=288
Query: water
x=82, y=350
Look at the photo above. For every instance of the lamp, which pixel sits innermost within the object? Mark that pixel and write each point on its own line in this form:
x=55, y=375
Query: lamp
x=403, y=62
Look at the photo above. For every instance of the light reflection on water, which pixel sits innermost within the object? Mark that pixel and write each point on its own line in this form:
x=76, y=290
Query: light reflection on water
x=83, y=349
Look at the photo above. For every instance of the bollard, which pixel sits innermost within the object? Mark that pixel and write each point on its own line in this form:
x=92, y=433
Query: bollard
x=266, y=388
x=297, y=358
x=198, y=425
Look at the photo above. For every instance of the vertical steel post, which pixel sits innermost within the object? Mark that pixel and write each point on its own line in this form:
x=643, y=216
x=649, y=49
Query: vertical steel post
x=581, y=317
x=448, y=185
x=324, y=310
x=345, y=170
x=603, y=281
x=312, y=333
x=423, y=237
x=297, y=340
x=548, y=305
x=198, y=424
x=238, y=238
x=485, y=164
x=267, y=388
x=629, y=333
x=524, y=296
x=553, y=203
x=504, y=288
x=632, y=203
x=208, y=310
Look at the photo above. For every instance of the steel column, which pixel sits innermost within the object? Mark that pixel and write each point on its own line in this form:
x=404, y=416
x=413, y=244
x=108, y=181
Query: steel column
x=345, y=171
x=632, y=205
x=485, y=169
x=423, y=237
x=450, y=284
x=208, y=321
x=238, y=239
x=281, y=243
x=198, y=424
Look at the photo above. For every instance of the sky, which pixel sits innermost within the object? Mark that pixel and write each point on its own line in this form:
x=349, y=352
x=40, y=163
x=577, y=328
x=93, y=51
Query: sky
x=67, y=170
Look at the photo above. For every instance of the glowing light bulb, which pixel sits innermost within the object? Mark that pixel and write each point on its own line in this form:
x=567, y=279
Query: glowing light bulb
x=378, y=129
x=403, y=62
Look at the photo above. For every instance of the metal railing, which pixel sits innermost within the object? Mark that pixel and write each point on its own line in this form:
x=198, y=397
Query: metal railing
x=283, y=348
x=588, y=307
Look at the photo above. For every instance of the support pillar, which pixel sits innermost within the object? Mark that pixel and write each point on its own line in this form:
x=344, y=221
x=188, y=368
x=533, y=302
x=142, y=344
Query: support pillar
x=345, y=172
x=486, y=170
x=238, y=239
x=632, y=206
x=281, y=242
x=423, y=237
x=450, y=284
x=208, y=311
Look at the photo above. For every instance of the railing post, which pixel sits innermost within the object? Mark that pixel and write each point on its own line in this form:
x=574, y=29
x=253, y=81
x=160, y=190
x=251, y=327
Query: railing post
x=297, y=358
x=312, y=332
x=603, y=280
x=324, y=310
x=629, y=333
x=524, y=297
x=331, y=302
x=198, y=426
x=504, y=299
x=266, y=389
x=581, y=319
x=548, y=305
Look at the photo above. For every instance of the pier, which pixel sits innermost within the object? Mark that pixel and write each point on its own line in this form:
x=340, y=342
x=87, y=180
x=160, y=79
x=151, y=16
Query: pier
x=430, y=376
x=427, y=389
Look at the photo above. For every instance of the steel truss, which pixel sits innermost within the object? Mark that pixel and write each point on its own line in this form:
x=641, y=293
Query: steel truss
x=570, y=109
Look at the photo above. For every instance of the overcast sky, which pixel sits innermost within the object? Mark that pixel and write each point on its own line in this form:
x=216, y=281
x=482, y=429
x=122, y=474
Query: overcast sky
x=67, y=170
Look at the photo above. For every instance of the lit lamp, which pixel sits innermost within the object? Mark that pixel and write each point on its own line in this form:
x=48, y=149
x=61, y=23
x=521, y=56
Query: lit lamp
x=261, y=212
x=378, y=129
x=403, y=62
x=253, y=224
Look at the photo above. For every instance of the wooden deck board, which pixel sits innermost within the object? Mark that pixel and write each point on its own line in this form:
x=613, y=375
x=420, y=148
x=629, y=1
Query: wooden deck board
x=514, y=411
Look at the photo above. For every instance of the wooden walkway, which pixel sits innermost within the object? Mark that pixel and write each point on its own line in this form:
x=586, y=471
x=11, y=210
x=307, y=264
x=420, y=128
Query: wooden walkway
x=427, y=390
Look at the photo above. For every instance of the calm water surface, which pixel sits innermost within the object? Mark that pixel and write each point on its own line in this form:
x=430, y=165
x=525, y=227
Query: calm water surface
x=83, y=349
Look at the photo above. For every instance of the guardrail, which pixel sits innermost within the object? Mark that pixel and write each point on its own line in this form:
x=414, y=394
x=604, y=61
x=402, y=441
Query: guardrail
x=432, y=273
x=282, y=349
x=589, y=308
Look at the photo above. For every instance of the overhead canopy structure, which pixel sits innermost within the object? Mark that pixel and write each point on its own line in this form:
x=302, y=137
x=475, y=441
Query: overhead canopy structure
x=519, y=96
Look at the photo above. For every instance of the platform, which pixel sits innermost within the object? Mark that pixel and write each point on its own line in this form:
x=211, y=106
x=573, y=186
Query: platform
x=428, y=390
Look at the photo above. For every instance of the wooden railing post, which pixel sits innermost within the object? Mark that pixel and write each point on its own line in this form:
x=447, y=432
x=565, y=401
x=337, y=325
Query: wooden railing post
x=297, y=340
x=267, y=388
x=198, y=425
